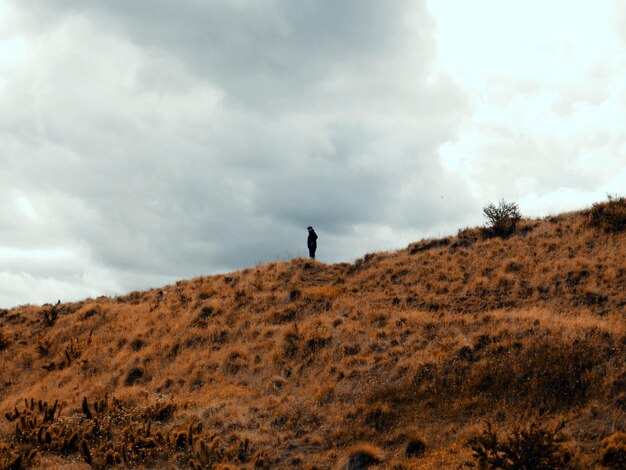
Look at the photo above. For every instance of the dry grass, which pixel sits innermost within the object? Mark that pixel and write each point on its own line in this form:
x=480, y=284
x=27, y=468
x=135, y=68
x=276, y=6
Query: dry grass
x=292, y=365
x=610, y=216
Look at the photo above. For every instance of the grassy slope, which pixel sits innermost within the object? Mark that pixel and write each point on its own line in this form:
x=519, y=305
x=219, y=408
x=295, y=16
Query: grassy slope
x=306, y=360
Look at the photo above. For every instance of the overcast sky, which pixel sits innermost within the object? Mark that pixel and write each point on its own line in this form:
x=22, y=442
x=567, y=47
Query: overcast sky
x=148, y=141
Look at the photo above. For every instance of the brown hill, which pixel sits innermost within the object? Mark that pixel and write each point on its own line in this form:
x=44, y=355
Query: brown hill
x=466, y=351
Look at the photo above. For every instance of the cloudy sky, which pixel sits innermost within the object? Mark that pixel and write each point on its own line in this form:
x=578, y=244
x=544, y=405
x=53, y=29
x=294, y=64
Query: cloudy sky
x=149, y=141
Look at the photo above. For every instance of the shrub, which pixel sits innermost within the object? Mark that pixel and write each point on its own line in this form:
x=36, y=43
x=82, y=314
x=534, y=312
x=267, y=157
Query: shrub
x=4, y=341
x=380, y=417
x=467, y=237
x=613, y=450
x=530, y=447
x=112, y=433
x=291, y=341
x=415, y=447
x=160, y=411
x=609, y=215
x=134, y=376
x=362, y=456
x=50, y=314
x=503, y=218
x=235, y=361
x=426, y=245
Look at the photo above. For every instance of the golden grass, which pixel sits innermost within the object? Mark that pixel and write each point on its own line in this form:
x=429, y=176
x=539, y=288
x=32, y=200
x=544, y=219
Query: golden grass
x=306, y=365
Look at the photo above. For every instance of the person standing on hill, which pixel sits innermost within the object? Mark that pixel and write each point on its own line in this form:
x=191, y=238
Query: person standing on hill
x=311, y=242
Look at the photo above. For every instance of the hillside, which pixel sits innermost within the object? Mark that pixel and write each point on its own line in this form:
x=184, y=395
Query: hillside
x=401, y=358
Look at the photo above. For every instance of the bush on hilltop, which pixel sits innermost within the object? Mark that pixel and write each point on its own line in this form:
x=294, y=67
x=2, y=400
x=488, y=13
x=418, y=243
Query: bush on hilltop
x=502, y=218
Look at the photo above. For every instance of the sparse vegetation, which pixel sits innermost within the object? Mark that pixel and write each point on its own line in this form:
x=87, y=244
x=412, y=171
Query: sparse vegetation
x=613, y=450
x=416, y=446
x=502, y=218
x=398, y=358
x=112, y=433
x=362, y=456
x=610, y=215
x=49, y=315
x=530, y=446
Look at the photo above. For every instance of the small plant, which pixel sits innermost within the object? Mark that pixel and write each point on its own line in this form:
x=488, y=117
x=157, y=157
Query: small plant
x=467, y=237
x=613, y=450
x=161, y=411
x=72, y=352
x=416, y=446
x=610, y=215
x=531, y=447
x=362, y=456
x=294, y=294
x=134, y=376
x=291, y=341
x=51, y=314
x=502, y=218
x=235, y=361
x=44, y=348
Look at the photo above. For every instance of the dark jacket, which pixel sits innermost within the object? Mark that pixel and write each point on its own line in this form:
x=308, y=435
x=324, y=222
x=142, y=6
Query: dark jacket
x=311, y=241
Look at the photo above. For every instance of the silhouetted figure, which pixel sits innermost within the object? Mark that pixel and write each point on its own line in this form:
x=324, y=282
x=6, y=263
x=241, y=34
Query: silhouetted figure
x=311, y=242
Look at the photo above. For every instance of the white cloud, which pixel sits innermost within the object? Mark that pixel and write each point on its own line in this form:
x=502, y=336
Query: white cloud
x=561, y=200
x=144, y=142
x=203, y=137
x=547, y=82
